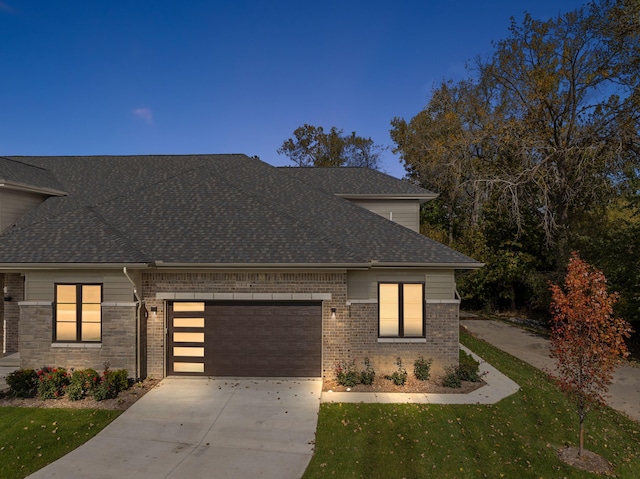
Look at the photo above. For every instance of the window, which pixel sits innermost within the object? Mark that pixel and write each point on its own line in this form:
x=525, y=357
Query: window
x=78, y=313
x=401, y=310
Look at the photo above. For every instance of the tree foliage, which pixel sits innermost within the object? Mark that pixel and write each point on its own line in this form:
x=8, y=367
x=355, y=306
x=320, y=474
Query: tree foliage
x=587, y=340
x=312, y=146
x=542, y=133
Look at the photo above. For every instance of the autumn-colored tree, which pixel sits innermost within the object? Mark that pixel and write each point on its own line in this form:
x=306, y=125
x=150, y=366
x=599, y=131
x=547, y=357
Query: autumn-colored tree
x=587, y=341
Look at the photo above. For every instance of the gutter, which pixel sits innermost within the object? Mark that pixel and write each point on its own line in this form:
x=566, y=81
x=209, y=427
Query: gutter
x=422, y=198
x=41, y=266
x=138, y=321
x=336, y=266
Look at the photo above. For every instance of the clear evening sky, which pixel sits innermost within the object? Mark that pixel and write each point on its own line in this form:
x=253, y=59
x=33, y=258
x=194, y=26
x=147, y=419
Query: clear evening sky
x=168, y=76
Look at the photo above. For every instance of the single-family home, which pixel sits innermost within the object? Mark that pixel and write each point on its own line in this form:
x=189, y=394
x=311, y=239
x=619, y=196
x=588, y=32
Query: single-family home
x=219, y=265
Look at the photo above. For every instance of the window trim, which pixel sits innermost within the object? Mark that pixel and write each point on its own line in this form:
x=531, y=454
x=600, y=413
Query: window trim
x=79, y=303
x=400, y=335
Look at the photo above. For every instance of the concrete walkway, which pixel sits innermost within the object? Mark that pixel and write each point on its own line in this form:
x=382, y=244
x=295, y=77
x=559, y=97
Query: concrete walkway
x=228, y=428
x=214, y=428
x=533, y=348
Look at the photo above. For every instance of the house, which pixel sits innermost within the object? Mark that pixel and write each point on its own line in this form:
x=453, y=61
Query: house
x=218, y=265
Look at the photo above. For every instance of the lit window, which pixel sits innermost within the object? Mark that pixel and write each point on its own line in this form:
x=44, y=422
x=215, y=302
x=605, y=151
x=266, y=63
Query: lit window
x=78, y=313
x=401, y=310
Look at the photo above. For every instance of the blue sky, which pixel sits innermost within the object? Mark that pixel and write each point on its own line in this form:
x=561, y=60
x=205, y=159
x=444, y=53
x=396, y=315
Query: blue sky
x=167, y=76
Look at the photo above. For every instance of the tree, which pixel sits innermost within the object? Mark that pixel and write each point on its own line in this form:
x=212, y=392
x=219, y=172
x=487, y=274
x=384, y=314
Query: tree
x=543, y=132
x=311, y=146
x=587, y=341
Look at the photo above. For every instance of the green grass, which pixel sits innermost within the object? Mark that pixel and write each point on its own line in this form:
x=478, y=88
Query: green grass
x=31, y=438
x=515, y=438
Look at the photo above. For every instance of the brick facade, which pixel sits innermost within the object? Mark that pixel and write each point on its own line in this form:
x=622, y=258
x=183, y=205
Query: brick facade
x=355, y=337
x=303, y=285
x=118, y=347
x=352, y=335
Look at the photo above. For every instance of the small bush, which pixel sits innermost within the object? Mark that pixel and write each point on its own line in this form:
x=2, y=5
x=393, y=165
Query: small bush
x=422, y=368
x=52, y=382
x=451, y=378
x=82, y=383
x=23, y=383
x=111, y=383
x=119, y=379
x=469, y=368
x=368, y=375
x=398, y=377
x=346, y=373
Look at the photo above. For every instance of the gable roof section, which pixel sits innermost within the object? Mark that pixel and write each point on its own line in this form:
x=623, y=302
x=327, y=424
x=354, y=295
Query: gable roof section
x=205, y=210
x=350, y=182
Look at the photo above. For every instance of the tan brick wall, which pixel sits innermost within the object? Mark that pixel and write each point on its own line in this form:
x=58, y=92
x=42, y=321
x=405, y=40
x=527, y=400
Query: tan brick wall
x=118, y=347
x=352, y=335
x=355, y=337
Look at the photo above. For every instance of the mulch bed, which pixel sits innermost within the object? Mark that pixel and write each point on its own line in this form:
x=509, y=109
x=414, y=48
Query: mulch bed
x=124, y=400
x=412, y=385
x=588, y=461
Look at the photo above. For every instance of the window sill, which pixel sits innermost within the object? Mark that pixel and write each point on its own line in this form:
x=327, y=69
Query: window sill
x=77, y=345
x=402, y=340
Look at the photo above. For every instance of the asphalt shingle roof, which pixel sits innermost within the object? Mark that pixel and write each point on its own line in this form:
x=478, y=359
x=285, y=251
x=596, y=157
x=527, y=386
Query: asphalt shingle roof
x=16, y=172
x=356, y=181
x=204, y=209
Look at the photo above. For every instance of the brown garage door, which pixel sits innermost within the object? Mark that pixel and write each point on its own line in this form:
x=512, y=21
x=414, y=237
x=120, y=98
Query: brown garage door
x=247, y=339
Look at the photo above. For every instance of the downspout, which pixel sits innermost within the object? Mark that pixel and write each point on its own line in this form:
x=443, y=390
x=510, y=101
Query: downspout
x=138, y=321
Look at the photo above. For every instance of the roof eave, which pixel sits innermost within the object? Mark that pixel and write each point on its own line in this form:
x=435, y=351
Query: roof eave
x=459, y=265
x=39, y=266
x=13, y=185
x=422, y=198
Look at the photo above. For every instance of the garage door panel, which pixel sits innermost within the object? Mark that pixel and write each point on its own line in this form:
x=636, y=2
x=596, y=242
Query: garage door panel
x=260, y=339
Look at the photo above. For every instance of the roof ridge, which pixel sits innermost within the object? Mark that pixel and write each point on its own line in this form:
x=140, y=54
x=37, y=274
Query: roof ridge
x=116, y=234
x=23, y=163
x=311, y=226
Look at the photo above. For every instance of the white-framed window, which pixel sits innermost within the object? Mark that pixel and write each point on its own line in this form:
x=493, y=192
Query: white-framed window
x=401, y=310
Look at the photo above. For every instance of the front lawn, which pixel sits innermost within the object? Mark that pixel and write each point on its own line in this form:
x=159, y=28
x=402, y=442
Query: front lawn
x=518, y=437
x=31, y=438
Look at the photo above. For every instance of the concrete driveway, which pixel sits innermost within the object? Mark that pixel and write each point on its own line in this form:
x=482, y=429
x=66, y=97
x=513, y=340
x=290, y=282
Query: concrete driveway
x=214, y=428
x=624, y=392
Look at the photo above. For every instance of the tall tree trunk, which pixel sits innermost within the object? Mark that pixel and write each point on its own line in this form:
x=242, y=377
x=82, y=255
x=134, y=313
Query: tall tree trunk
x=581, y=448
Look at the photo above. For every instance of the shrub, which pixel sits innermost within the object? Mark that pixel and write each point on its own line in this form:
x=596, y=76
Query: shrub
x=52, y=382
x=422, y=368
x=451, y=378
x=469, y=368
x=23, y=383
x=82, y=383
x=398, y=377
x=119, y=379
x=111, y=383
x=346, y=373
x=368, y=375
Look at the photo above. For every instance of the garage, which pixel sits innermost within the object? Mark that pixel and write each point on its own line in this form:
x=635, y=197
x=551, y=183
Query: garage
x=244, y=339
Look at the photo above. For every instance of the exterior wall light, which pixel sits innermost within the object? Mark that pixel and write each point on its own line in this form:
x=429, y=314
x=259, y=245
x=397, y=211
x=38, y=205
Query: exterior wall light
x=6, y=296
x=333, y=313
